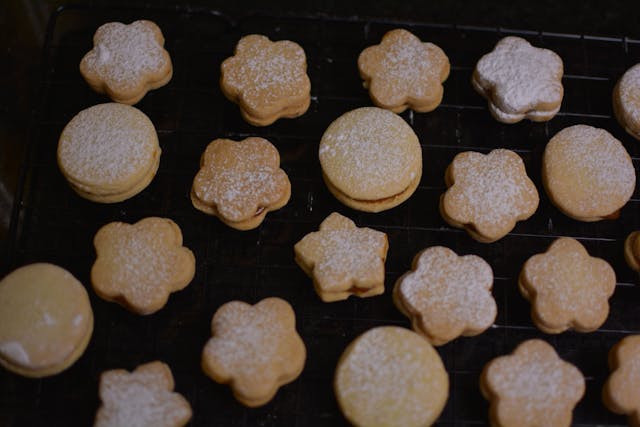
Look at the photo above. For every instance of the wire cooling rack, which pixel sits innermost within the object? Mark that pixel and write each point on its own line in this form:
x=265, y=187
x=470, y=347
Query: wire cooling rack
x=50, y=223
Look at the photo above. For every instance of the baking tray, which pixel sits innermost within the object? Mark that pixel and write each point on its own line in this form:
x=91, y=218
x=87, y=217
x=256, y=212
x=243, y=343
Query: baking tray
x=51, y=223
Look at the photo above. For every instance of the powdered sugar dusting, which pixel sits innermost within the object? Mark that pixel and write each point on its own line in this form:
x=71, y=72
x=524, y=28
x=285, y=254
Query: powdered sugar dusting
x=629, y=90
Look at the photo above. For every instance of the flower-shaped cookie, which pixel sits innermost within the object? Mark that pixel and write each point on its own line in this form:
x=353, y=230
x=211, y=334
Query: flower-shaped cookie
x=139, y=265
x=488, y=194
x=240, y=181
x=520, y=81
x=127, y=61
x=446, y=295
x=144, y=397
x=343, y=259
x=403, y=72
x=567, y=288
x=531, y=387
x=621, y=392
x=268, y=80
x=255, y=349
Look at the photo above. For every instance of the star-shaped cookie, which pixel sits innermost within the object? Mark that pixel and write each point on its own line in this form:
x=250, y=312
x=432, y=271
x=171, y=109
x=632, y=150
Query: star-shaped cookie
x=621, y=392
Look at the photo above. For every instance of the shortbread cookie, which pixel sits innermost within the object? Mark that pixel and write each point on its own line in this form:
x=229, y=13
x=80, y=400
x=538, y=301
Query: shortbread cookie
x=144, y=397
x=531, y=387
x=268, y=80
x=127, y=61
x=343, y=259
x=371, y=159
x=621, y=392
x=587, y=173
x=109, y=152
x=240, y=181
x=626, y=101
x=520, y=81
x=46, y=320
x=255, y=349
x=446, y=295
x=403, y=72
x=391, y=376
x=567, y=288
x=632, y=250
x=487, y=194
x=139, y=265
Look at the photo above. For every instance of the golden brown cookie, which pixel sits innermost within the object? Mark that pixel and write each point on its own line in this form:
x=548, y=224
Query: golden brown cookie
x=343, y=259
x=144, y=397
x=587, y=173
x=371, y=159
x=391, y=376
x=531, y=387
x=255, y=349
x=446, y=295
x=240, y=181
x=403, y=72
x=626, y=101
x=139, y=265
x=567, y=288
x=268, y=80
x=621, y=392
x=46, y=320
x=632, y=250
x=127, y=61
x=487, y=194
x=520, y=81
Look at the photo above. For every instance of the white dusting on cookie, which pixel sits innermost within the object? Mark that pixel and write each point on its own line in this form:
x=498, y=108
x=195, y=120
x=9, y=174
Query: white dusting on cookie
x=629, y=96
x=15, y=352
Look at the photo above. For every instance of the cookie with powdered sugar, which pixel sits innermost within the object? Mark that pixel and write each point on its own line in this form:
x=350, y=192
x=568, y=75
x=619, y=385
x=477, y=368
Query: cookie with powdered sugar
x=621, y=392
x=520, y=81
x=626, y=101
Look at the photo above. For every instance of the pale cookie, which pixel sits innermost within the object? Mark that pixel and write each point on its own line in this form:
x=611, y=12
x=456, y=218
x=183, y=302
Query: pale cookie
x=127, y=61
x=567, y=288
x=46, y=320
x=391, y=376
x=531, y=387
x=109, y=152
x=268, y=80
x=487, y=194
x=371, y=159
x=632, y=250
x=255, y=349
x=520, y=81
x=403, y=72
x=587, y=173
x=139, y=265
x=343, y=259
x=446, y=295
x=144, y=397
x=621, y=392
x=626, y=101
x=240, y=181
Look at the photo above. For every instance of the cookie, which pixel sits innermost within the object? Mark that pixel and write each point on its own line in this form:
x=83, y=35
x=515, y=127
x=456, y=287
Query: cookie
x=626, y=101
x=520, y=81
x=139, y=265
x=391, y=376
x=46, y=320
x=268, y=80
x=240, y=181
x=587, y=173
x=371, y=159
x=403, y=72
x=567, y=288
x=531, y=387
x=255, y=349
x=632, y=250
x=446, y=295
x=343, y=259
x=621, y=392
x=144, y=397
x=127, y=61
x=487, y=194
x=109, y=152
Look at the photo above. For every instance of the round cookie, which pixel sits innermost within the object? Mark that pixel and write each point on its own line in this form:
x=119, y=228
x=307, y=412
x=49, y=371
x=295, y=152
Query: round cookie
x=587, y=173
x=391, y=376
x=626, y=101
x=109, y=152
x=371, y=159
x=46, y=320
x=632, y=250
